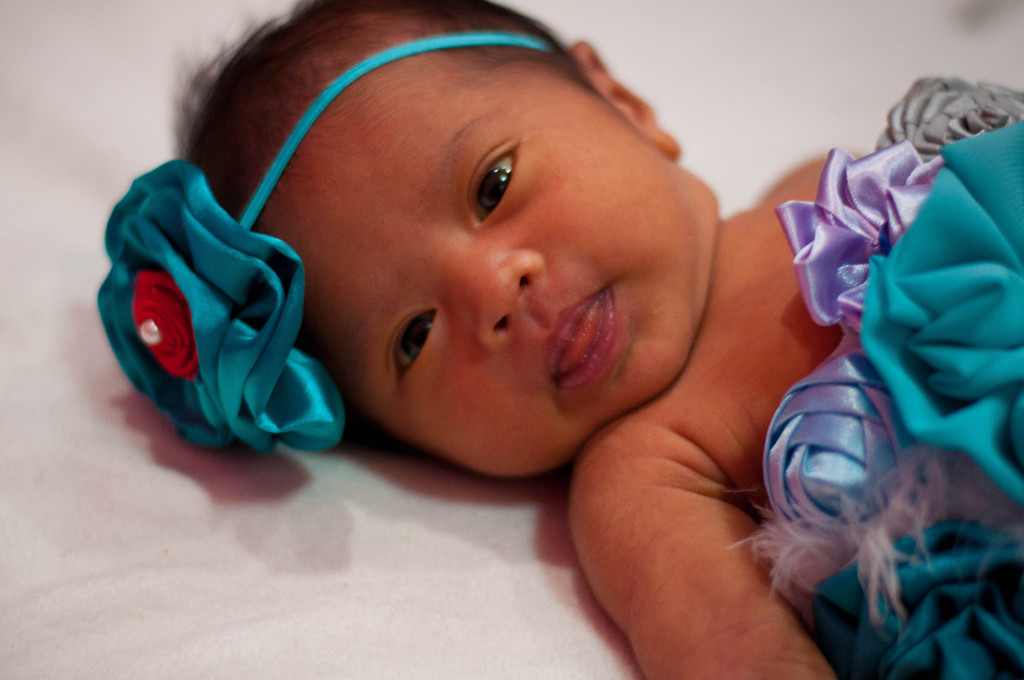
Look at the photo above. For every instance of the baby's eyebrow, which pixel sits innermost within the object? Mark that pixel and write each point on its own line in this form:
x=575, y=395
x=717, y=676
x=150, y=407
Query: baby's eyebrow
x=455, y=146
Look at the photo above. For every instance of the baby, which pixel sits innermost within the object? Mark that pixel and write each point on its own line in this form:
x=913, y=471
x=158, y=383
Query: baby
x=494, y=257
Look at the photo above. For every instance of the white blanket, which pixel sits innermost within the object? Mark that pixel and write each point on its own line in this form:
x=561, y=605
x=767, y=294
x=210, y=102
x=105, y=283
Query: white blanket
x=127, y=553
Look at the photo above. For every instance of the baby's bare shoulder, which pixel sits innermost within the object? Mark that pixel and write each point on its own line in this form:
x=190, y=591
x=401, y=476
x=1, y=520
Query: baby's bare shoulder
x=800, y=184
x=640, y=450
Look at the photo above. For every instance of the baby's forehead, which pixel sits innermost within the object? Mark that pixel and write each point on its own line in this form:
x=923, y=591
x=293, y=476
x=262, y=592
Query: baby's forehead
x=427, y=101
x=438, y=71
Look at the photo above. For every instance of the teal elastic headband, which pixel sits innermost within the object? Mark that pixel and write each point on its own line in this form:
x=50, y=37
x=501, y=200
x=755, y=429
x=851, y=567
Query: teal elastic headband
x=432, y=44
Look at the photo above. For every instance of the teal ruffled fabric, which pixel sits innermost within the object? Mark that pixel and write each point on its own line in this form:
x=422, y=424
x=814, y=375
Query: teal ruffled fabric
x=944, y=312
x=961, y=588
x=244, y=292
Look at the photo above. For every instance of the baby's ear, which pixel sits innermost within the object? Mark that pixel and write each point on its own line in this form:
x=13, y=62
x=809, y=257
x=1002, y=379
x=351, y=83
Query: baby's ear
x=635, y=109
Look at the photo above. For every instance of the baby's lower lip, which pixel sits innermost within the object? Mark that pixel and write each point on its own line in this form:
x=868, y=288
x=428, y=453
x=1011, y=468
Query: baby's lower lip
x=585, y=341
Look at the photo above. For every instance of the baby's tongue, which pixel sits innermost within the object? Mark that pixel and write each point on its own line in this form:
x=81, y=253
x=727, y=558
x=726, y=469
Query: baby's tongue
x=583, y=335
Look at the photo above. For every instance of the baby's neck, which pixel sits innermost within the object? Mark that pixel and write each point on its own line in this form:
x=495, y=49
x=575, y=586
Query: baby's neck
x=755, y=341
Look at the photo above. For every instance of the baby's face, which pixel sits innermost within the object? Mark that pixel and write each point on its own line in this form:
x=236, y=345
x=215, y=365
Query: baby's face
x=497, y=263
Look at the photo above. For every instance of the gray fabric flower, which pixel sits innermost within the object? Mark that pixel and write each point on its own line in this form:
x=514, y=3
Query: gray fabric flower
x=938, y=111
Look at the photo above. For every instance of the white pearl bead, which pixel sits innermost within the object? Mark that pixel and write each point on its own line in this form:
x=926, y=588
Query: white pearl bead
x=150, y=333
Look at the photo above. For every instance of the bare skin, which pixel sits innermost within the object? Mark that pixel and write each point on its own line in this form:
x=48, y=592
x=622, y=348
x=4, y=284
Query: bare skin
x=668, y=426
x=689, y=464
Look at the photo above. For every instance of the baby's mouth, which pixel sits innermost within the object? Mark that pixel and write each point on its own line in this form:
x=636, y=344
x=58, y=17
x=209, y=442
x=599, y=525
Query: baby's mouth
x=585, y=341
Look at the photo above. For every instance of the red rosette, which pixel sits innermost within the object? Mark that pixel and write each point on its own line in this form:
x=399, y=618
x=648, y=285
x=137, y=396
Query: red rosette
x=164, y=323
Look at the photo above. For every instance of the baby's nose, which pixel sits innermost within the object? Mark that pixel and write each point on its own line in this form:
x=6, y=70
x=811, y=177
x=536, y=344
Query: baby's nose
x=495, y=289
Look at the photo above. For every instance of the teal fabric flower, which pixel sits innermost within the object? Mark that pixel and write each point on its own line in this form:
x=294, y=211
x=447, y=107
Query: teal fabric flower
x=243, y=293
x=961, y=589
x=944, y=312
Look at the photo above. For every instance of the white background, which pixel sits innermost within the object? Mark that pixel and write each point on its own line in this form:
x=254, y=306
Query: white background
x=127, y=553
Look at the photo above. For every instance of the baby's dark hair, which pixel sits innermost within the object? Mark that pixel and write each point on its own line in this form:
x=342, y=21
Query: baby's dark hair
x=239, y=108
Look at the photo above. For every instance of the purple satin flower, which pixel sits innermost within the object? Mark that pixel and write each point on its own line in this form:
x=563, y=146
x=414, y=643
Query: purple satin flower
x=832, y=429
x=862, y=207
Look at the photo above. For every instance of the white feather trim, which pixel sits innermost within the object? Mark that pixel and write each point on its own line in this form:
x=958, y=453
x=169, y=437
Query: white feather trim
x=926, y=486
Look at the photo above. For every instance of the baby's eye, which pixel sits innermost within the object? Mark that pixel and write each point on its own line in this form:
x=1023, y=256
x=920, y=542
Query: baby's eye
x=494, y=184
x=413, y=338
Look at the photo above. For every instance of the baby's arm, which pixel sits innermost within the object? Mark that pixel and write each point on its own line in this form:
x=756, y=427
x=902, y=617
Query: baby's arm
x=656, y=528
